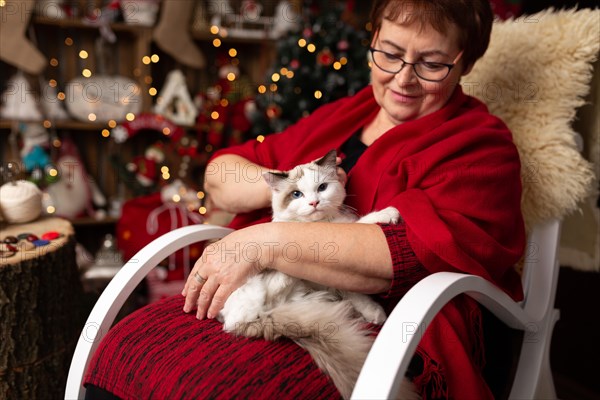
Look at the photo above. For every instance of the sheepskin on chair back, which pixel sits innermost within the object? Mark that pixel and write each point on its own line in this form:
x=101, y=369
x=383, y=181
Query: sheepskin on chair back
x=534, y=76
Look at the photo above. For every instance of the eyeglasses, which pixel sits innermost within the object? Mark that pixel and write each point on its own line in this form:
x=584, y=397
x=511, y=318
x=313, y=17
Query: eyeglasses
x=428, y=71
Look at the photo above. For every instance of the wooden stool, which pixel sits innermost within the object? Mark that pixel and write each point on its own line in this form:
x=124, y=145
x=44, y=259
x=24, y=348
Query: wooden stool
x=40, y=308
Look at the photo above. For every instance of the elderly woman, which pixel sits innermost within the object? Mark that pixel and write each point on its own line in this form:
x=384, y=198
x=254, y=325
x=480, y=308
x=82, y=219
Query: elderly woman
x=413, y=140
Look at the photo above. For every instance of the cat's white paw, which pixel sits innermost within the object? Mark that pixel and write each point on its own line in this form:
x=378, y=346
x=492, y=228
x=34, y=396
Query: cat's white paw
x=374, y=314
x=244, y=305
x=389, y=215
x=369, y=309
x=238, y=309
x=235, y=318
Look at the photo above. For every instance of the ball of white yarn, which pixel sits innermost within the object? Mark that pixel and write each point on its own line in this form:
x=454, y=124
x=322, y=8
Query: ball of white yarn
x=20, y=201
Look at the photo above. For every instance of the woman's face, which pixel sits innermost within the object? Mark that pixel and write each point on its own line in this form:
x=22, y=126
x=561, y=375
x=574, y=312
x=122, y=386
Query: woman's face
x=404, y=96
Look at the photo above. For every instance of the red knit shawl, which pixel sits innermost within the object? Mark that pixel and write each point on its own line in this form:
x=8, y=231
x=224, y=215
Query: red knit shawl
x=454, y=175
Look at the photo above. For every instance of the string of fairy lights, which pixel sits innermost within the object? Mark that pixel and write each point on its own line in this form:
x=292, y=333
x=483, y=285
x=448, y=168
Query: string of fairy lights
x=220, y=33
x=87, y=72
x=219, y=36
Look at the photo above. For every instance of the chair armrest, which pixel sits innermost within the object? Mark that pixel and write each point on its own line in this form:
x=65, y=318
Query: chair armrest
x=118, y=290
x=395, y=345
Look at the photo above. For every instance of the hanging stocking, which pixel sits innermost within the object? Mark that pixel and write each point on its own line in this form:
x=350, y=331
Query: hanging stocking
x=172, y=34
x=15, y=48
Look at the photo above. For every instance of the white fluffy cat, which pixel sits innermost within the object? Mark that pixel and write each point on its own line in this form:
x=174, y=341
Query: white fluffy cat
x=327, y=322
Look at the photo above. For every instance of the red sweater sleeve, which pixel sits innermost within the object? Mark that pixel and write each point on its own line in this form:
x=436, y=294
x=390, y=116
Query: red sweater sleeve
x=408, y=270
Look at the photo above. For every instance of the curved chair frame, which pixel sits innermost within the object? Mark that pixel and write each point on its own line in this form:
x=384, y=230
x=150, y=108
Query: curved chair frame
x=390, y=355
x=120, y=288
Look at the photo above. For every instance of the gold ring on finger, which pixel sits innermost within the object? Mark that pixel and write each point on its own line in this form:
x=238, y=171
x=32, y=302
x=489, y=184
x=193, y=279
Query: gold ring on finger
x=199, y=279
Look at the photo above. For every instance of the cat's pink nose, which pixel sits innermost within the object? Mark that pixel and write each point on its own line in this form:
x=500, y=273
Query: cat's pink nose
x=314, y=203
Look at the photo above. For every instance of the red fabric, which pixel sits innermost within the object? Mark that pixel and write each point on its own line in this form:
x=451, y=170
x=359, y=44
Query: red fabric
x=454, y=175
x=144, y=219
x=408, y=270
x=159, y=352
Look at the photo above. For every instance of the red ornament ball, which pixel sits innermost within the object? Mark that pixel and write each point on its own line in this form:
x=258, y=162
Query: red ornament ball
x=325, y=57
x=273, y=111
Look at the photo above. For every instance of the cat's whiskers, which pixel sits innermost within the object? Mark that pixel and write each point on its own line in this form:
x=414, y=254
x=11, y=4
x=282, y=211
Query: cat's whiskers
x=352, y=210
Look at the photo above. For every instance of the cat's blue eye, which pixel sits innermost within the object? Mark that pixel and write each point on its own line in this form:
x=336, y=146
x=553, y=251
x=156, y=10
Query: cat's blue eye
x=296, y=194
x=322, y=187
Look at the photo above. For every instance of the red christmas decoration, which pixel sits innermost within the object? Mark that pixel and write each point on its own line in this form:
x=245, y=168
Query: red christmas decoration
x=145, y=218
x=273, y=111
x=223, y=119
x=147, y=121
x=325, y=57
x=146, y=167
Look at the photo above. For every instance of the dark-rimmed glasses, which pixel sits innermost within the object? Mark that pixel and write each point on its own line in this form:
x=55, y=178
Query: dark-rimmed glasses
x=428, y=71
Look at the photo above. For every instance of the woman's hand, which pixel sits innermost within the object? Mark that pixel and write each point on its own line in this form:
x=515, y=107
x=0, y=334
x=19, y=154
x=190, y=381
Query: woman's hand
x=223, y=267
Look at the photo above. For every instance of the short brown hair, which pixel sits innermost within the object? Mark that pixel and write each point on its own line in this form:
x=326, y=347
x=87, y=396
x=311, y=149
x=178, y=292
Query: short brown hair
x=473, y=18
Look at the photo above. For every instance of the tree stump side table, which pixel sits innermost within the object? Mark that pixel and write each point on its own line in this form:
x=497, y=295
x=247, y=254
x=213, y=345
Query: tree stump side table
x=41, y=313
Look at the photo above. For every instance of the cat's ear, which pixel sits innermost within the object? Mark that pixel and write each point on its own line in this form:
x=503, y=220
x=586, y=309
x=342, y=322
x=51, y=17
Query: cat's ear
x=328, y=160
x=275, y=179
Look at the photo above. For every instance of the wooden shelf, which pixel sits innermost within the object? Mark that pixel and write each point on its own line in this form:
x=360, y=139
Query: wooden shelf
x=260, y=38
x=89, y=221
x=204, y=35
x=66, y=125
x=78, y=23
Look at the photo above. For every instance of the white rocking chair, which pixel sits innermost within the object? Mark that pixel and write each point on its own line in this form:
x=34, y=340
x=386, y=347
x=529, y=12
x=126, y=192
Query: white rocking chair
x=392, y=351
x=389, y=356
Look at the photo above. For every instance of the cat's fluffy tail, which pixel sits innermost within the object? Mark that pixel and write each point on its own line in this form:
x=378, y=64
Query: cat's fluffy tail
x=328, y=331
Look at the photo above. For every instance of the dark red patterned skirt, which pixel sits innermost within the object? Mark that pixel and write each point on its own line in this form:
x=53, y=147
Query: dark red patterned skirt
x=160, y=352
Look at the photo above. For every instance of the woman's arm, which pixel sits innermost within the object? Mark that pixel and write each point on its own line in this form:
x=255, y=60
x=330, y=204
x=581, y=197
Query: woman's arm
x=352, y=257
x=236, y=184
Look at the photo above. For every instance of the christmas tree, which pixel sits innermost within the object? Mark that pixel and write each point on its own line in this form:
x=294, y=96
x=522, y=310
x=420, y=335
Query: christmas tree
x=324, y=61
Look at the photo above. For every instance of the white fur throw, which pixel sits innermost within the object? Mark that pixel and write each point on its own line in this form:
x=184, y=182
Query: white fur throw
x=534, y=76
